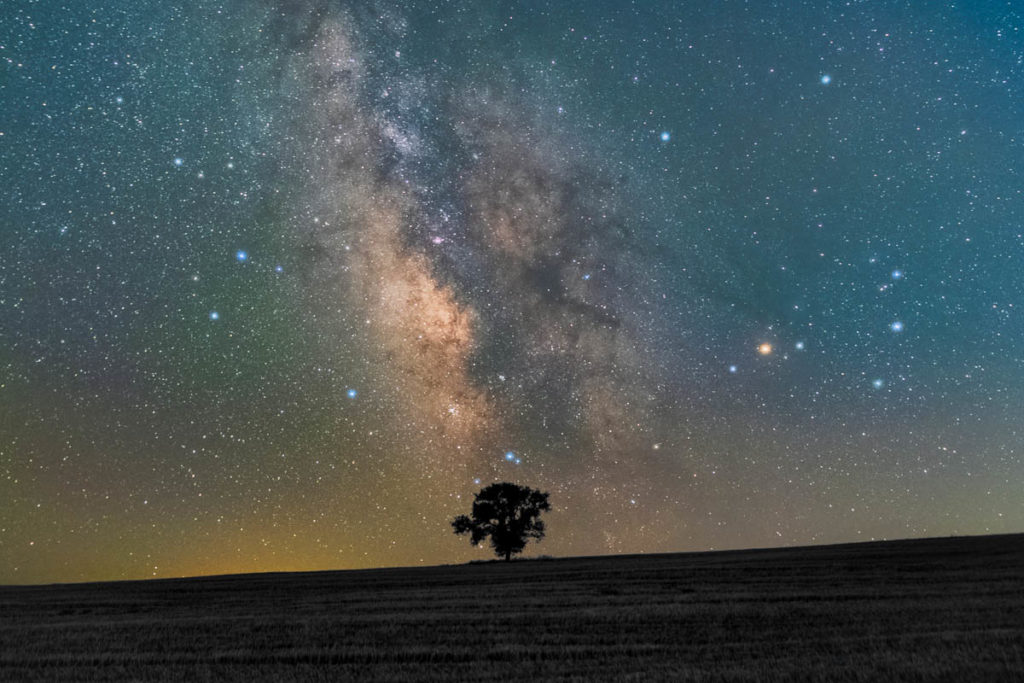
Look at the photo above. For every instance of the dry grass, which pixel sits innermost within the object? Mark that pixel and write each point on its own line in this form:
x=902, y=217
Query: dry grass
x=930, y=610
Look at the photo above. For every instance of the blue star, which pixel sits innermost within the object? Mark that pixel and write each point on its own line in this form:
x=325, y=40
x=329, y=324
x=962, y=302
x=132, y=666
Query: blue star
x=214, y=315
x=241, y=256
x=586, y=276
x=665, y=136
x=352, y=393
x=897, y=274
x=733, y=369
x=179, y=162
x=826, y=79
x=278, y=269
x=799, y=346
x=510, y=456
x=877, y=384
x=896, y=326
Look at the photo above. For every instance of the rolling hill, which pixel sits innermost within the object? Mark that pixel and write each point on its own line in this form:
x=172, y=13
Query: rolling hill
x=930, y=609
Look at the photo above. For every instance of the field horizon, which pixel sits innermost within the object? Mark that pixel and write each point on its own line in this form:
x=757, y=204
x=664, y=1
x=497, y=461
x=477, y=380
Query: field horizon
x=526, y=557
x=920, y=609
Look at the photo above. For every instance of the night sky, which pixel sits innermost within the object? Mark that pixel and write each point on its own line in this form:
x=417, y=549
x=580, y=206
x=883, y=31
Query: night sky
x=282, y=284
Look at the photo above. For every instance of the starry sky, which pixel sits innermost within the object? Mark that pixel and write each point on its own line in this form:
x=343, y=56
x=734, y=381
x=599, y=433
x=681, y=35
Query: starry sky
x=283, y=283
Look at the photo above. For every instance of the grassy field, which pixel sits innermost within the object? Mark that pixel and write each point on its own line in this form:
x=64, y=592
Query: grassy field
x=923, y=610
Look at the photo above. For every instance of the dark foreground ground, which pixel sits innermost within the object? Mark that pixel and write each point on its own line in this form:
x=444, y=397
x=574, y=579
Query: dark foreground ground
x=925, y=610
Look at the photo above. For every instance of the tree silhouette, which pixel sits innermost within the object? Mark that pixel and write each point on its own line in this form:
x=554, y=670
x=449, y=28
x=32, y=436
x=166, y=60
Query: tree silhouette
x=508, y=514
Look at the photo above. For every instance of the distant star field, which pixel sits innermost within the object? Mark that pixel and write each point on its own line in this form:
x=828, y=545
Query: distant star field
x=283, y=283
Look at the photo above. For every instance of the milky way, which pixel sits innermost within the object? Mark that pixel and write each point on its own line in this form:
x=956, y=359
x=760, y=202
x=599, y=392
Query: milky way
x=285, y=283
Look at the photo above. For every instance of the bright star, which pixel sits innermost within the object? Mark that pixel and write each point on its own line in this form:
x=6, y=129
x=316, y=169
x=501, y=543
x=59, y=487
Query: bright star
x=764, y=349
x=799, y=346
x=733, y=369
x=897, y=274
x=896, y=326
x=241, y=256
x=278, y=269
x=510, y=456
x=665, y=136
x=826, y=79
x=214, y=315
x=179, y=162
x=877, y=384
x=352, y=393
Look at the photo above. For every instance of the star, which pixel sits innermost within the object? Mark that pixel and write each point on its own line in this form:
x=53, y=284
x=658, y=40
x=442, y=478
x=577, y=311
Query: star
x=733, y=369
x=897, y=274
x=799, y=346
x=877, y=384
x=826, y=79
x=765, y=349
x=896, y=326
x=352, y=393
x=214, y=315
x=241, y=256
x=179, y=162
x=665, y=136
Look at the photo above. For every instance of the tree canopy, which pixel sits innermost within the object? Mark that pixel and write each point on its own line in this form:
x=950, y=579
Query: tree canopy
x=506, y=513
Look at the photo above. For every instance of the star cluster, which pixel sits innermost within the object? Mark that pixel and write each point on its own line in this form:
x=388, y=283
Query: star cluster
x=284, y=284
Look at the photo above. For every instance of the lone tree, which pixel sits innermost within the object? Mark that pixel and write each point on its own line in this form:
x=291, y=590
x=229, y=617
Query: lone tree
x=509, y=514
